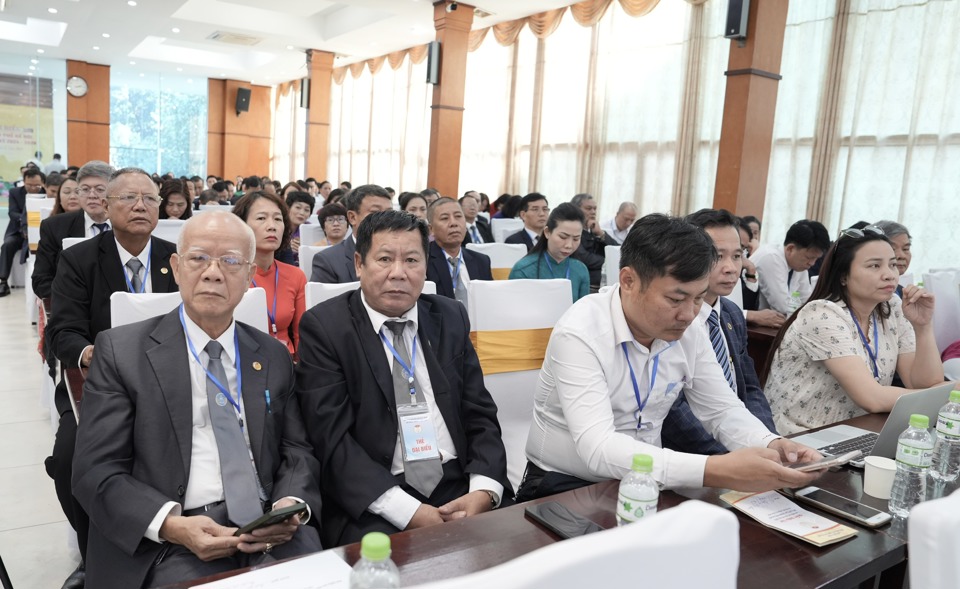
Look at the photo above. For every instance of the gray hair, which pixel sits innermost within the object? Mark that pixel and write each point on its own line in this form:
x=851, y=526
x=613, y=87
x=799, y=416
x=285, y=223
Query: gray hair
x=226, y=217
x=117, y=174
x=892, y=229
x=626, y=205
x=577, y=200
x=95, y=169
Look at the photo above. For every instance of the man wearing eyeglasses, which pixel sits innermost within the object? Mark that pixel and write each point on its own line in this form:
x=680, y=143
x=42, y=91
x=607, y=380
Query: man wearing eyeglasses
x=217, y=436
x=534, y=211
x=124, y=259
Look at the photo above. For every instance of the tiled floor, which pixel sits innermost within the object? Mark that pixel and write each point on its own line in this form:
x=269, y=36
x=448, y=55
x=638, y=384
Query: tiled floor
x=35, y=540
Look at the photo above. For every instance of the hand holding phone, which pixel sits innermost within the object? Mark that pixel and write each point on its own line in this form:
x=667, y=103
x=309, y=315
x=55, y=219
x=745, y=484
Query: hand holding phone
x=826, y=462
x=273, y=517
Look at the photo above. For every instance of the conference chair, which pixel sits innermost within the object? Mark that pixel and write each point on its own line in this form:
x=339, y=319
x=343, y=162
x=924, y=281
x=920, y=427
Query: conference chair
x=317, y=292
x=935, y=543
x=128, y=308
x=502, y=256
x=69, y=242
x=169, y=229
x=310, y=234
x=306, y=255
x=503, y=228
x=611, y=263
x=227, y=208
x=511, y=324
x=692, y=545
x=945, y=286
x=38, y=209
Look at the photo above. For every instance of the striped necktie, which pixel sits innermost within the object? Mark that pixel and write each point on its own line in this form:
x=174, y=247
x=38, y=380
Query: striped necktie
x=720, y=348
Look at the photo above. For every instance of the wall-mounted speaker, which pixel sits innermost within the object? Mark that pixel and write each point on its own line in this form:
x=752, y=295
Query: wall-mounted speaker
x=305, y=93
x=737, y=13
x=433, y=62
x=243, y=100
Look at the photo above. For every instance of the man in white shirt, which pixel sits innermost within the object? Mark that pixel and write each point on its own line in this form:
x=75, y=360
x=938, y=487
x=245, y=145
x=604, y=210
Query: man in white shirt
x=393, y=396
x=191, y=429
x=55, y=165
x=618, y=227
x=615, y=365
x=784, y=270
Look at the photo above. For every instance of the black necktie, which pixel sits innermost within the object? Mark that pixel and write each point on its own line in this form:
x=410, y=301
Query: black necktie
x=101, y=227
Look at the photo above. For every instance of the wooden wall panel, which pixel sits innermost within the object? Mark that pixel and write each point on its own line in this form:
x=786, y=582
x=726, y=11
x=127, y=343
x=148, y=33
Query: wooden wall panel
x=88, y=117
x=238, y=145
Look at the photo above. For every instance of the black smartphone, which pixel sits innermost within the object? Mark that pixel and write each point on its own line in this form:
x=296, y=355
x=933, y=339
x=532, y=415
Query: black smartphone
x=560, y=520
x=273, y=517
x=842, y=506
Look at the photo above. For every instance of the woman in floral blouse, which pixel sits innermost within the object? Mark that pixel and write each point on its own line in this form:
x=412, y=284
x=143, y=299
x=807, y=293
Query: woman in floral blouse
x=836, y=356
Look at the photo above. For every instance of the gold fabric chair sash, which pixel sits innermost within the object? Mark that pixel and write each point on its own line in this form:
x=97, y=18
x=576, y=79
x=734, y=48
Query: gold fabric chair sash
x=512, y=350
x=500, y=273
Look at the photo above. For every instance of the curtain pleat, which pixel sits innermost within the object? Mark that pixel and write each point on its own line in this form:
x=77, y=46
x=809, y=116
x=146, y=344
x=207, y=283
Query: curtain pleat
x=338, y=75
x=476, y=39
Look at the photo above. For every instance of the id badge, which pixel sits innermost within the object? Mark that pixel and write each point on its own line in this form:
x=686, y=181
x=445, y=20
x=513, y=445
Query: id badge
x=417, y=434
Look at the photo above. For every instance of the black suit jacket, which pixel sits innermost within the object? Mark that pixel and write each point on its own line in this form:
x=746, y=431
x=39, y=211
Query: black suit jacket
x=592, y=253
x=53, y=230
x=335, y=265
x=17, y=210
x=134, y=441
x=438, y=269
x=521, y=237
x=345, y=386
x=483, y=228
x=87, y=274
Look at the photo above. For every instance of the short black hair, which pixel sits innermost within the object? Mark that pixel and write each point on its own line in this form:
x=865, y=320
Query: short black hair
x=390, y=220
x=751, y=219
x=426, y=192
x=710, y=218
x=251, y=182
x=808, y=233
x=532, y=197
x=32, y=171
x=406, y=197
x=347, y=184
x=355, y=197
x=660, y=245
x=301, y=196
x=565, y=211
x=219, y=186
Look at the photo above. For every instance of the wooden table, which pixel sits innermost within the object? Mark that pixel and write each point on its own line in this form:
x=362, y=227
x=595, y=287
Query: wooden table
x=767, y=558
x=759, y=342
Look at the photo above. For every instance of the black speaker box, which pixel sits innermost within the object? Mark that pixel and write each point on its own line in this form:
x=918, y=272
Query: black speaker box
x=433, y=62
x=737, y=13
x=243, y=100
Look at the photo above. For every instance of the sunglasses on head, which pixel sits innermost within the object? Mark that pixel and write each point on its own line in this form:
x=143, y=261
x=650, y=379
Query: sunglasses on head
x=857, y=233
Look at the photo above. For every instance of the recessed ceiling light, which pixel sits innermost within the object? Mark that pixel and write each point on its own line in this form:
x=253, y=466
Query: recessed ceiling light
x=34, y=61
x=189, y=81
x=179, y=69
x=96, y=48
x=141, y=75
x=131, y=3
x=39, y=50
x=32, y=68
x=106, y=35
x=52, y=10
x=133, y=63
x=175, y=30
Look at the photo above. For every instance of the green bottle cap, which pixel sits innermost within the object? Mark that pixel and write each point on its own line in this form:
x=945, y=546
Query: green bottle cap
x=375, y=546
x=642, y=463
x=920, y=421
x=955, y=396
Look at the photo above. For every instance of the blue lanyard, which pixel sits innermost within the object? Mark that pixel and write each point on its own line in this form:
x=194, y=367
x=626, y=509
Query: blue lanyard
x=456, y=275
x=276, y=283
x=146, y=275
x=407, y=370
x=213, y=379
x=549, y=265
x=863, y=339
x=633, y=378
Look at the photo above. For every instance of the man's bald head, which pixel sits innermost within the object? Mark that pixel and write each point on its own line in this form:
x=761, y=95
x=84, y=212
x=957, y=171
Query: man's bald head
x=216, y=221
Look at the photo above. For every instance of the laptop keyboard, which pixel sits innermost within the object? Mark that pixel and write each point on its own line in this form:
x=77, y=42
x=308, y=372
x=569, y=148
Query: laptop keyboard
x=864, y=443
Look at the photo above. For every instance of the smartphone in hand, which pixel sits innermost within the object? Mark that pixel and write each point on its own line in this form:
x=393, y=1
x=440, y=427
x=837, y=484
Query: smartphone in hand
x=273, y=517
x=826, y=462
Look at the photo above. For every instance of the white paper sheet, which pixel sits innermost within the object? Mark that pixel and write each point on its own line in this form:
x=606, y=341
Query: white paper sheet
x=324, y=570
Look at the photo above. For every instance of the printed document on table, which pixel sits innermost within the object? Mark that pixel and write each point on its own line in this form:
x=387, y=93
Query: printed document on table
x=324, y=570
x=776, y=511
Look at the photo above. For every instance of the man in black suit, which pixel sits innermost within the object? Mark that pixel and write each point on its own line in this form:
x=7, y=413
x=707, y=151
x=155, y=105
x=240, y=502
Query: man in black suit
x=167, y=474
x=388, y=356
x=90, y=221
x=478, y=228
x=452, y=266
x=593, y=240
x=15, y=236
x=126, y=259
x=335, y=265
x=534, y=211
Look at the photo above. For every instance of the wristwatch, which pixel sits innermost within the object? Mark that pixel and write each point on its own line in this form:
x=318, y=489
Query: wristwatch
x=493, y=498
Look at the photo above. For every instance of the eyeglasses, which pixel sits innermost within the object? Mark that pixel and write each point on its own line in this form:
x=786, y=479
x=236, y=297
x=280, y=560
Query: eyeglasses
x=150, y=200
x=87, y=190
x=858, y=233
x=335, y=220
x=228, y=263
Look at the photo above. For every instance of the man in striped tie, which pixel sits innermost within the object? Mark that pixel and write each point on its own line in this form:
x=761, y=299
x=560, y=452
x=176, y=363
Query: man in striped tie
x=727, y=331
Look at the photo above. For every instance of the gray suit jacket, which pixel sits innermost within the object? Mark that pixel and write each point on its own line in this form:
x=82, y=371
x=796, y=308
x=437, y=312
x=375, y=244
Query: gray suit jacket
x=135, y=437
x=335, y=265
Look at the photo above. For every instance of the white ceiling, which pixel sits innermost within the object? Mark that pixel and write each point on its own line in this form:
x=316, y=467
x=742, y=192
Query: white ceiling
x=143, y=37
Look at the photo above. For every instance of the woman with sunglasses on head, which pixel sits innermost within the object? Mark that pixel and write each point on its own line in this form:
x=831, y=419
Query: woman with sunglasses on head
x=836, y=356
x=284, y=284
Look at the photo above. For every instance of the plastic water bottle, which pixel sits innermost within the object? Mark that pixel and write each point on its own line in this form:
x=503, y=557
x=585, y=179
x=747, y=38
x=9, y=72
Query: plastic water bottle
x=639, y=493
x=914, y=453
x=796, y=301
x=375, y=570
x=946, y=452
x=603, y=275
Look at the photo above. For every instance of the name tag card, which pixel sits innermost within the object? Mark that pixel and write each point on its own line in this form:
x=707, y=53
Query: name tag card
x=417, y=433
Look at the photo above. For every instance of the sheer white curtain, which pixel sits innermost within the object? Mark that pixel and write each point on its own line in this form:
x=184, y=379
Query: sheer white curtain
x=483, y=166
x=289, y=134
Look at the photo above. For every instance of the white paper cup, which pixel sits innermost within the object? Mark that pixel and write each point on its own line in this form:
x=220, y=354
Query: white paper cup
x=878, y=474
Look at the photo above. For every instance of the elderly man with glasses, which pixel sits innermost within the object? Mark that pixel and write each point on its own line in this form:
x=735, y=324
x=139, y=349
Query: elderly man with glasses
x=124, y=259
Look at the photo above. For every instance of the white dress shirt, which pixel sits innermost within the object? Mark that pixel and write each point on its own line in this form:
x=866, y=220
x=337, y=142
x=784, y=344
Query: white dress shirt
x=776, y=281
x=610, y=228
x=396, y=505
x=464, y=273
x=534, y=236
x=585, y=411
x=88, y=229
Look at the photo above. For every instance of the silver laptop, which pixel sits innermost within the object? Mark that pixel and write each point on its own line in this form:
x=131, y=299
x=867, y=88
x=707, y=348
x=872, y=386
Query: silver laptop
x=840, y=439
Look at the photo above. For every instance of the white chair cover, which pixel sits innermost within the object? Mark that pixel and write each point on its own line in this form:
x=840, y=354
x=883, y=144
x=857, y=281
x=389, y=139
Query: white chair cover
x=655, y=552
x=502, y=256
x=310, y=234
x=72, y=241
x=503, y=228
x=317, y=292
x=611, y=263
x=306, y=255
x=169, y=229
x=935, y=543
x=945, y=286
x=36, y=207
x=128, y=308
x=509, y=305
x=226, y=208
